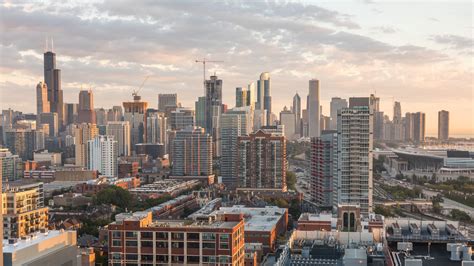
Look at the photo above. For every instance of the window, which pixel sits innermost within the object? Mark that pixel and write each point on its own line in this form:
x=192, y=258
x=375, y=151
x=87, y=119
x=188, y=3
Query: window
x=177, y=258
x=177, y=245
x=208, y=236
x=147, y=244
x=116, y=256
x=131, y=257
x=148, y=235
x=131, y=243
x=116, y=234
x=209, y=245
x=177, y=236
x=193, y=245
x=147, y=258
x=162, y=235
x=193, y=259
x=160, y=244
x=193, y=236
x=161, y=258
x=224, y=241
x=131, y=234
x=116, y=243
x=223, y=259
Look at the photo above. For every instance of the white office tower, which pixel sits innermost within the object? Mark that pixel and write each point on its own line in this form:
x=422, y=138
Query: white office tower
x=121, y=132
x=287, y=119
x=234, y=123
x=354, y=171
x=336, y=105
x=103, y=155
x=314, y=114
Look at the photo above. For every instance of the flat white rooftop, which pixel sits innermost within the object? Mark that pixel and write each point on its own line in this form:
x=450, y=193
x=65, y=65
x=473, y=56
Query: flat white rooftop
x=256, y=219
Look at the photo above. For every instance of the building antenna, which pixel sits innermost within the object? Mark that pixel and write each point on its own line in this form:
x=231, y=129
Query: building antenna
x=45, y=48
x=52, y=45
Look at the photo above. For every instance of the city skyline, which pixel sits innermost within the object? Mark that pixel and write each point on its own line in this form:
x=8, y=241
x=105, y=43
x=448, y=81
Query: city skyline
x=393, y=61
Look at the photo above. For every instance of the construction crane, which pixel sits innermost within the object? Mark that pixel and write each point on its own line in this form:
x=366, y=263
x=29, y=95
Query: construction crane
x=204, y=61
x=135, y=95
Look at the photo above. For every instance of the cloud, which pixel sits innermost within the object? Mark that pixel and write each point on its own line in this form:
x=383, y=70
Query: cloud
x=454, y=41
x=113, y=45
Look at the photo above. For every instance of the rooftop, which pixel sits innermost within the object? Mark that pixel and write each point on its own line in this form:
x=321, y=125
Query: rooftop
x=32, y=240
x=256, y=219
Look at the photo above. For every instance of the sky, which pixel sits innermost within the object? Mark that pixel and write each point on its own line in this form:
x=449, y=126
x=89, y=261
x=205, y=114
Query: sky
x=418, y=53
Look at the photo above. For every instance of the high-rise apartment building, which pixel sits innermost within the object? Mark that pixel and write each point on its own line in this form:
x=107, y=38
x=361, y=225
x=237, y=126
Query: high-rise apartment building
x=135, y=114
x=419, y=119
x=23, y=142
x=261, y=161
x=52, y=78
x=82, y=134
x=86, y=113
x=157, y=125
x=24, y=211
x=11, y=166
x=336, y=105
x=181, y=118
x=120, y=130
x=354, y=171
x=443, y=125
x=314, y=112
x=137, y=239
x=323, y=165
x=51, y=119
x=200, y=107
x=167, y=100
x=100, y=115
x=102, y=155
x=115, y=114
x=42, y=103
x=240, y=97
x=234, y=123
x=296, y=109
x=192, y=152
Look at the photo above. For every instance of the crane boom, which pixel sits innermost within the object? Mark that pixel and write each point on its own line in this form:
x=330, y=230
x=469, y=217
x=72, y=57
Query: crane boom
x=135, y=92
x=204, y=61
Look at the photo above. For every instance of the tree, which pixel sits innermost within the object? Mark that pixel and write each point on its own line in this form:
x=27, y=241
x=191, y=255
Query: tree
x=291, y=180
x=460, y=215
x=113, y=195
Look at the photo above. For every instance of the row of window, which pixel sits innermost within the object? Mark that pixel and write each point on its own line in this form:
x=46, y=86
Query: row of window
x=173, y=259
x=162, y=244
x=164, y=235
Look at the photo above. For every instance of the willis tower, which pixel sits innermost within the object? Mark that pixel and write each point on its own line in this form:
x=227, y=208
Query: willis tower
x=52, y=77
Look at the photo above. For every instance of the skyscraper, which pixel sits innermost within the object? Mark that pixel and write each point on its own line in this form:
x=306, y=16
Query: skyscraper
x=336, y=104
x=234, y=123
x=213, y=104
x=443, y=125
x=167, y=100
x=71, y=114
x=314, y=114
x=354, y=171
x=135, y=114
x=264, y=98
x=42, y=103
x=52, y=120
x=192, y=153
x=240, y=97
x=102, y=155
x=86, y=113
x=120, y=130
x=297, y=112
x=200, y=108
x=82, y=134
x=397, y=112
x=24, y=142
x=288, y=121
x=261, y=161
x=419, y=119
x=52, y=78
x=324, y=168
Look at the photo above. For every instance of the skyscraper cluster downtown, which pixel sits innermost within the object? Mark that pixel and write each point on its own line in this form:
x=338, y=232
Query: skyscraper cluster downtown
x=182, y=168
